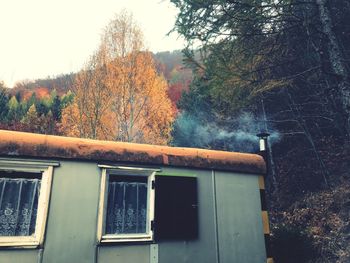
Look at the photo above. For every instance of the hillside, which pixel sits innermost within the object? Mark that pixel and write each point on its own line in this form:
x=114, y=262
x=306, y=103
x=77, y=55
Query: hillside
x=42, y=87
x=169, y=64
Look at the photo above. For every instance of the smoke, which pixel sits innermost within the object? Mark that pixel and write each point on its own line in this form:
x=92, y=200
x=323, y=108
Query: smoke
x=237, y=134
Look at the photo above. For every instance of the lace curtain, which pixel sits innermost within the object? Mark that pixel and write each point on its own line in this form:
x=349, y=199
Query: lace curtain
x=126, y=208
x=18, y=206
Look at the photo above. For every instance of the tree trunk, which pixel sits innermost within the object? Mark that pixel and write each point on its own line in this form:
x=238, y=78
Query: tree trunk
x=302, y=124
x=336, y=61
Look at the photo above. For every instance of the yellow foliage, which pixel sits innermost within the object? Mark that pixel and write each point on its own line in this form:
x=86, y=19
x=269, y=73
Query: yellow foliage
x=70, y=121
x=119, y=95
x=141, y=106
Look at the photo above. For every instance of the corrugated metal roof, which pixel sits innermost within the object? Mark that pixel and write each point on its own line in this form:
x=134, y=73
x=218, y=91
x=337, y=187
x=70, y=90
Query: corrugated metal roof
x=23, y=144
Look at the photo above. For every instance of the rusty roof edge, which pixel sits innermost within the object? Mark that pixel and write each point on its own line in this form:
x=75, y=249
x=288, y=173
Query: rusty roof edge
x=49, y=146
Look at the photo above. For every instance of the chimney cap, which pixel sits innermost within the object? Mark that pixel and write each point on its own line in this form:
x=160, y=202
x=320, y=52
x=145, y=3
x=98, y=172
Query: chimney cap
x=263, y=135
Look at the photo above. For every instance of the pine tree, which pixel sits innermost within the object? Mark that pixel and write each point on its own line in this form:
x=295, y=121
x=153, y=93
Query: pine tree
x=14, y=112
x=56, y=109
x=31, y=120
x=4, y=99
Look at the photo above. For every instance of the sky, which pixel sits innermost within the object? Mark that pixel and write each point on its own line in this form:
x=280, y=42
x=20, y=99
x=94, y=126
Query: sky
x=45, y=38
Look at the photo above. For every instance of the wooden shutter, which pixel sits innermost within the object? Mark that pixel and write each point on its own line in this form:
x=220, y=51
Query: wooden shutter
x=176, y=208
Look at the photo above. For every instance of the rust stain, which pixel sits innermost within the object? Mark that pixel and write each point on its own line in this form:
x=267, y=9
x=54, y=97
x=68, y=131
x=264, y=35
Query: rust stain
x=48, y=146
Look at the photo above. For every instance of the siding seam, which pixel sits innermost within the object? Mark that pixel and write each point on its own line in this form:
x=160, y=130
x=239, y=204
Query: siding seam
x=215, y=217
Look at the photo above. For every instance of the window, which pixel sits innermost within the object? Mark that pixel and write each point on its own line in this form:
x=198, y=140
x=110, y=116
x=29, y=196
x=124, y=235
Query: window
x=24, y=193
x=126, y=204
x=139, y=204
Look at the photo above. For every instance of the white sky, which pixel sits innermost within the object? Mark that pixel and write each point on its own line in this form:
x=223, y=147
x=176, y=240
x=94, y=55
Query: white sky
x=41, y=38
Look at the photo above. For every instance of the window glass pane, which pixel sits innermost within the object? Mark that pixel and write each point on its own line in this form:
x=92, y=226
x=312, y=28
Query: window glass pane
x=126, y=205
x=19, y=194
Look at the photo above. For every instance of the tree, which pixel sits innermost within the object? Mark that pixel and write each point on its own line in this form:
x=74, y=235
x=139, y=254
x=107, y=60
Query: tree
x=291, y=55
x=32, y=100
x=4, y=98
x=254, y=46
x=70, y=125
x=48, y=124
x=141, y=107
x=337, y=60
x=56, y=109
x=92, y=102
x=14, y=112
x=41, y=107
x=67, y=99
x=31, y=120
x=119, y=94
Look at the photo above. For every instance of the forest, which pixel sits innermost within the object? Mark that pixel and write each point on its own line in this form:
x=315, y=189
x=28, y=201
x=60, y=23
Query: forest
x=280, y=67
x=250, y=66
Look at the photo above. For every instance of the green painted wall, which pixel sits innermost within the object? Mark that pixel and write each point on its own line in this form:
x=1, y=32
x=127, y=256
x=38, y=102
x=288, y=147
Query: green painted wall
x=19, y=256
x=240, y=233
x=71, y=226
x=204, y=249
x=124, y=253
x=230, y=224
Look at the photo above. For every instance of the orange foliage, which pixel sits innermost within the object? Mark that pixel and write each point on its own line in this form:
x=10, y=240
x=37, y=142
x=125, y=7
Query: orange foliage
x=40, y=93
x=119, y=94
x=86, y=116
x=141, y=107
x=70, y=121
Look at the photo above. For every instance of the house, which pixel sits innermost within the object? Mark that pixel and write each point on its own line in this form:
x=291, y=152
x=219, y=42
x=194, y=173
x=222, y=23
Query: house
x=71, y=200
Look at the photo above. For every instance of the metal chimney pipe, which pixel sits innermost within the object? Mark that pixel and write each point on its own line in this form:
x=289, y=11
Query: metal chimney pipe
x=263, y=142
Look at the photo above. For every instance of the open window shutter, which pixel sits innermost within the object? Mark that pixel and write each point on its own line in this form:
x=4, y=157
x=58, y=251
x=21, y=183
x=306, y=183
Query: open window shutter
x=176, y=208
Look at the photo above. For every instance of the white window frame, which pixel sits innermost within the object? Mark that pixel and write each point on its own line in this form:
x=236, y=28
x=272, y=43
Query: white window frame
x=102, y=237
x=46, y=170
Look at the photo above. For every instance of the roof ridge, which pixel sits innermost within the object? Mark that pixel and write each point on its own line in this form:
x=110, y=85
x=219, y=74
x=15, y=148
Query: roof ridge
x=13, y=143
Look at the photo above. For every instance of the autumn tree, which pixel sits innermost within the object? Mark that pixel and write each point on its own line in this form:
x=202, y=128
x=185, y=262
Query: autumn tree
x=84, y=117
x=141, y=107
x=70, y=125
x=119, y=95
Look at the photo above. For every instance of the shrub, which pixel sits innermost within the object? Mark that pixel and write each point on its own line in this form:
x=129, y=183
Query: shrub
x=291, y=244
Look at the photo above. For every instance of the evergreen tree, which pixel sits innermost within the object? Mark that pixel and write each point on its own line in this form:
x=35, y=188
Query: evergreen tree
x=14, y=111
x=4, y=98
x=31, y=120
x=41, y=107
x=53, y=96
x=56, y=109
x=32, y=100
x=18, y=96
x=254, y=47
x=67, y=99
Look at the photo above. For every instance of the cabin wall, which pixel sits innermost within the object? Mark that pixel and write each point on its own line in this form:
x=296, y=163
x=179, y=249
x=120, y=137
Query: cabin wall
x=230, y=224
x=71, y=225
x=204, y=248
x=239, y=222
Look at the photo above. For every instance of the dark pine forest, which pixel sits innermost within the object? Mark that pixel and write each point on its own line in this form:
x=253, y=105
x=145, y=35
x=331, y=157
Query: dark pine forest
x=282, y=67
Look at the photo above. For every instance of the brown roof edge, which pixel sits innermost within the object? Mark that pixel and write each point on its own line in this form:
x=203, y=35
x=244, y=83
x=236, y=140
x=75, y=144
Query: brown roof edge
x=48, y=146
